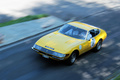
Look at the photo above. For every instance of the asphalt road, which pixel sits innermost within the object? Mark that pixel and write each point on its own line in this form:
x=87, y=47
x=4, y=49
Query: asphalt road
x=22, y=63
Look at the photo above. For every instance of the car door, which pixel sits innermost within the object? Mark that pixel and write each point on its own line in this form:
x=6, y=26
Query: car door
x=94, y=33
x=87, y=44
x=90, y=41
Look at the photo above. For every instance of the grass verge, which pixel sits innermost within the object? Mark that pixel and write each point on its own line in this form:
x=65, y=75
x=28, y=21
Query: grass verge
x=117, y=78
x=23, y=19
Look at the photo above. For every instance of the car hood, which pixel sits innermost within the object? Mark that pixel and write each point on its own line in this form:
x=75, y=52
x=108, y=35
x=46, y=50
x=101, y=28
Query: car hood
x=59, y=42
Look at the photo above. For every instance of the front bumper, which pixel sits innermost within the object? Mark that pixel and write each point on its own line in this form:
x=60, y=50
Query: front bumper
x=47, y=54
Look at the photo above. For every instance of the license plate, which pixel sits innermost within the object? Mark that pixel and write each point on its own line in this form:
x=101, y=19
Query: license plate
x=45, y=56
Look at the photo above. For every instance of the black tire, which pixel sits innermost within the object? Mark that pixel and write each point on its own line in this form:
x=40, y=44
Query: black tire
x=71, y=59
x=98, y=46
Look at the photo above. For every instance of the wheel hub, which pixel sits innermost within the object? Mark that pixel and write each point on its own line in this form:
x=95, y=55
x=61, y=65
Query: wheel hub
x=73, y=57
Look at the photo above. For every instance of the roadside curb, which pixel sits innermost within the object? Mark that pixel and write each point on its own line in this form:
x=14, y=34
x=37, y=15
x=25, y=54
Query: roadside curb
x=36, y=34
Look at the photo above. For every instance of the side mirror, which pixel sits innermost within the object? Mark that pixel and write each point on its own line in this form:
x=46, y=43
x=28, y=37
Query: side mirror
x=88, y=38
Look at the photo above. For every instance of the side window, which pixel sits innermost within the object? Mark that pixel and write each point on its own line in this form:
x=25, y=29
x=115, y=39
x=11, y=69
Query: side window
x=94, y=32
x=97, y=31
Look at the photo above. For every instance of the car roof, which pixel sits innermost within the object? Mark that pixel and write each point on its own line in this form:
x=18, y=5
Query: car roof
x=82, y=25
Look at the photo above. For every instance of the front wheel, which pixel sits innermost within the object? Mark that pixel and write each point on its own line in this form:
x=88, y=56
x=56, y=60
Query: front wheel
x=98, y=46
x=71, y=59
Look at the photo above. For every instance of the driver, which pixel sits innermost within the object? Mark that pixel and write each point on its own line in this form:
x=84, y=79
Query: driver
x=89, y=36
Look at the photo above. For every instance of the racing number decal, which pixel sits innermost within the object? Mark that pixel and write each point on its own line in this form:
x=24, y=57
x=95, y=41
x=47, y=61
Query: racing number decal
x=92, y=42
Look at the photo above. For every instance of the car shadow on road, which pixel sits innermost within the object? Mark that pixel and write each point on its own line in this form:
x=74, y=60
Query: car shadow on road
x=49, y=62
x=54, y=63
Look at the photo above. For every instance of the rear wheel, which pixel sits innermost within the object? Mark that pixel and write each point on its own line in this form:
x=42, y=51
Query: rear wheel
x=71, y=59
x=98, y=46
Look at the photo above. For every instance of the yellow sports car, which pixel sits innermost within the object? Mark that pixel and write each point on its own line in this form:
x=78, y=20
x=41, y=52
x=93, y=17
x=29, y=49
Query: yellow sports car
x=70, y=41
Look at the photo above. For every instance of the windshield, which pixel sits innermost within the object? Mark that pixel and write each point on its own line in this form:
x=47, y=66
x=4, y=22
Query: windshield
x=72, y=31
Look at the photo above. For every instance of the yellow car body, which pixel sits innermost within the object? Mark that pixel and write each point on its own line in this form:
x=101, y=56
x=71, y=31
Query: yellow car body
x=58, y=46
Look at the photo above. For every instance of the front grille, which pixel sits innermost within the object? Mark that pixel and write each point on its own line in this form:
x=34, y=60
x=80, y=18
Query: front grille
x=46, y=50
x=39, y=48
x=45, y=53
x=49, y=55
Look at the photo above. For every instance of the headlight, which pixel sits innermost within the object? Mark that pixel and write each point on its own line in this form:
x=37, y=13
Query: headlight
x=37, y=47
x=58, y=54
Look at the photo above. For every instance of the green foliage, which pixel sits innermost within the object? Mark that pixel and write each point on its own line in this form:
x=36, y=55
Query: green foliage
x=23, y=19
x=117, y=78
